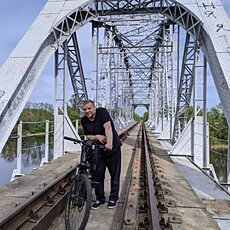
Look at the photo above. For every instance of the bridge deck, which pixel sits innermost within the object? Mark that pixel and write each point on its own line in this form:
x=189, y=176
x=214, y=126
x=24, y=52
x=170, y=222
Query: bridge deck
x=189, y=207
x=216, y=200
x=18, y=190
x=193, y=191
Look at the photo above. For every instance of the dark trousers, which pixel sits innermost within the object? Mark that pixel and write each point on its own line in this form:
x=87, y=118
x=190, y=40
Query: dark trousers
x=113, y=163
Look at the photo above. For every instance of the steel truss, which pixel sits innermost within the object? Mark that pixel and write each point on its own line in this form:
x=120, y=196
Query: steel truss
x=110, y=88
x=76, y=71
x=70, y=52
x=105, y=8
x=190, y=58
x=60, y=104
x=135, y=46
x=139, y=75
x=160, y=75
x=139, y=49
x=67, y=57
x=173, y=10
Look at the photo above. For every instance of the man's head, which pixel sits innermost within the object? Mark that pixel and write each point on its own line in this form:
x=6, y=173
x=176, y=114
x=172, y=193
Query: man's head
x=89, y=109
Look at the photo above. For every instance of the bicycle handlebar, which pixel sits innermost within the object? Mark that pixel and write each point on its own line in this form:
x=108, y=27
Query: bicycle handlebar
x=73, y=139
x=83, y=142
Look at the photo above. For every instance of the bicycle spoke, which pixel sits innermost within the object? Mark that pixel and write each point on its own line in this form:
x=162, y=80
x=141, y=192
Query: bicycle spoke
x=78, y=204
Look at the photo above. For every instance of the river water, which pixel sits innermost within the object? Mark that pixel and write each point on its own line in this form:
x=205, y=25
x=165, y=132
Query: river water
x=33, y=150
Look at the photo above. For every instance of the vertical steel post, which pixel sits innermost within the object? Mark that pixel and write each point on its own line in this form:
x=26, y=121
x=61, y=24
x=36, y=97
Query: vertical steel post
x=95, y=80
x=205, y=156
x=162, y=89
x=178, y=58
x=65, y=48
x=172, y=87
x=76, y=125
x=47, y=141
x=56, y=85
x=65, y=80
x=228, y=161
x=194, y=103
x=110, y=83
x=19, y=149
x=55, y=103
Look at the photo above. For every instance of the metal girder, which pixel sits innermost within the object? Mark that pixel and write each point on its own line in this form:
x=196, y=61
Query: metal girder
x=131, y=37
x=161, y=75
x=76, y=71
x=172, y=9
x=191, y=50
x=114, y=68
x=104, y=69
x=73, y=20
x=95, y=72
x=60, y=103
x=123, y=57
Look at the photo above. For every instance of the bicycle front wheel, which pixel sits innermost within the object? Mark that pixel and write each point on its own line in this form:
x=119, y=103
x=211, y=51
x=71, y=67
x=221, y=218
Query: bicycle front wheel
x=78, y=203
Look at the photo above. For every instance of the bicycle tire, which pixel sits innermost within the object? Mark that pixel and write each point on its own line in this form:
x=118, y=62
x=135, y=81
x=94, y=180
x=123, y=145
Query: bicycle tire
x=78, y=203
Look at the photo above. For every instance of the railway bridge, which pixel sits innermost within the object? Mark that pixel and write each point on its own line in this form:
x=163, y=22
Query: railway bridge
x=157, y=55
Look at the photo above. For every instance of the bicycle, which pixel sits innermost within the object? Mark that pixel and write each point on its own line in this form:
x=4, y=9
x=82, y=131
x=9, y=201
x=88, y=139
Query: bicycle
x=79, y=198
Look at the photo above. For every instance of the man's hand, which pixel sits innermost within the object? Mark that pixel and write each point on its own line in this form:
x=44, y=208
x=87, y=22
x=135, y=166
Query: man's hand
x=101, y=138
x=109, y=146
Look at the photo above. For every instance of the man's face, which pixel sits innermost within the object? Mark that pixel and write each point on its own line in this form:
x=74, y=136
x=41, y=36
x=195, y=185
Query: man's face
x=89, y=110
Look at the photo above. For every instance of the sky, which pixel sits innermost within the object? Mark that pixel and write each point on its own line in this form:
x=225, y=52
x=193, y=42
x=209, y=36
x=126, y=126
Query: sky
x=16, y=16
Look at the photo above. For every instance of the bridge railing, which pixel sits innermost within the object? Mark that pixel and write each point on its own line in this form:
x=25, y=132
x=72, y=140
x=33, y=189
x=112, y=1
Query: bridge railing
x=17, y=172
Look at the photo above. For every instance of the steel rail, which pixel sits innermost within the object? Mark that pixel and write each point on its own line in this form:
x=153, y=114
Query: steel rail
x=155, y=222
x=124, y=133
x=135, y=217
x=119, y=224
x=18, y=216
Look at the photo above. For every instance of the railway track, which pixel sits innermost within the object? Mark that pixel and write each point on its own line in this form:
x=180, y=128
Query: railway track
x=156, y=196
x=141, y=204
x=140, y=209
x=40, y=209
x=37, y=211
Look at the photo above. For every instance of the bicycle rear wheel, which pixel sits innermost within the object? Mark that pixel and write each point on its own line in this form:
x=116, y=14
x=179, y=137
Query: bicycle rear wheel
x=78, y=203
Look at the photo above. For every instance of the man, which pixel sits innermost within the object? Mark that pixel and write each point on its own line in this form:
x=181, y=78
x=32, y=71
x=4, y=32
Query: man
x=98, y=126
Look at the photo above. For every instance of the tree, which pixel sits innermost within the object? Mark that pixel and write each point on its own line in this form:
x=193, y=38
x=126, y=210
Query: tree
x=137, y=118
x=218, y=127
x=145, y=116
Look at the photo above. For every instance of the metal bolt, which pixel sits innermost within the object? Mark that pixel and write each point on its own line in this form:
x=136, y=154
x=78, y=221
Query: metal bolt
x=162, y=222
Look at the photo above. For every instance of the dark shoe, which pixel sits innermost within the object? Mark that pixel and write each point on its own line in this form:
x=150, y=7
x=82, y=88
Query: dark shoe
x=112, y=204
x=97, y=204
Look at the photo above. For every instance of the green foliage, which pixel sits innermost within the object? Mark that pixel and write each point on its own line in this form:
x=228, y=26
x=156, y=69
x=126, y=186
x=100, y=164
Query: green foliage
x=137, y=118
x=73, y=113
x=218, y=127
x=39, y=113
x=36, y=115
x=145, y=116
x=190, y=112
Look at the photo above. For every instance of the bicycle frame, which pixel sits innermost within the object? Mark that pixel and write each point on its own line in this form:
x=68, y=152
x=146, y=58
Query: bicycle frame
x=80, y=195
x=90, y=154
